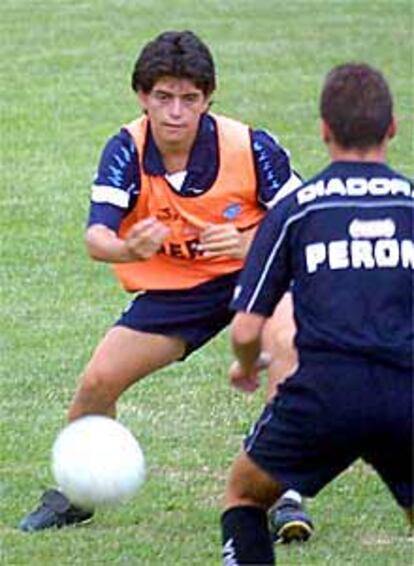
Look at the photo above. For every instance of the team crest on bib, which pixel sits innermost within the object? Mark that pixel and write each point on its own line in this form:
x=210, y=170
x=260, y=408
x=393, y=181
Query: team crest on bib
x=232, y=211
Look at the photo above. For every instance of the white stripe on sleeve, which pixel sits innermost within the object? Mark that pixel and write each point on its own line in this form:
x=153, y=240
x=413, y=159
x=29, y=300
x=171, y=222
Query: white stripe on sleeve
x=109, y=195
x=291, y=184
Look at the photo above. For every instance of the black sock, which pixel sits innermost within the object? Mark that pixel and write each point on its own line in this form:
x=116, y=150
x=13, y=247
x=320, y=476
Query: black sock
x=246, y=537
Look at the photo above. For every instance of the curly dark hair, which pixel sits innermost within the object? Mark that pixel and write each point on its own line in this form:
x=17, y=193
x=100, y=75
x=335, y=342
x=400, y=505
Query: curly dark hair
x=357, y=105
x=179, y=54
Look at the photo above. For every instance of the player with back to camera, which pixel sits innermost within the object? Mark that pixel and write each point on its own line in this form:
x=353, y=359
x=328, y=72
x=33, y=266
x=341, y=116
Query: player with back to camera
x=178, y=195
x=345, y=239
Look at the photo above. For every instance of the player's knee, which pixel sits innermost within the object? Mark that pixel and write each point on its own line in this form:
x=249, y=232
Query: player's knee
x=280, y=329
x=278, y=338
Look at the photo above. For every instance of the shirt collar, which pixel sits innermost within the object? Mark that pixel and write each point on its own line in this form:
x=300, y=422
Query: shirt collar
x=202, y=154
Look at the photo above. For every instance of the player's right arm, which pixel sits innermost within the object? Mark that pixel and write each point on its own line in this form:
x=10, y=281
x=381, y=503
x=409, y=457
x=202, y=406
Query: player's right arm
x=142, y=241
x=114, y=193
x=263, y=282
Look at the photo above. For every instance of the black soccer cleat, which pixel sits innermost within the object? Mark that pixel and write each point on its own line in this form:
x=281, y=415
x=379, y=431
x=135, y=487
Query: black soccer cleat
x=289, y=522
x=55, y=511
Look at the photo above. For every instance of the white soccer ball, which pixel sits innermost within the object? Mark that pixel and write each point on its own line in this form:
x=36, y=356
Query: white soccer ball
x=96, y=462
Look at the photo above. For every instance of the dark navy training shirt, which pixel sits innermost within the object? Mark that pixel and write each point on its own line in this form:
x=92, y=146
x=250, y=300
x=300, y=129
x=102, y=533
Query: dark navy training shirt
x=344, y=242
x=116, y=186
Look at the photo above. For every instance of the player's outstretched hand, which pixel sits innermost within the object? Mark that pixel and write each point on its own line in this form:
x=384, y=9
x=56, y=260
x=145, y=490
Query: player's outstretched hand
x=223, y=239
x=145, y=238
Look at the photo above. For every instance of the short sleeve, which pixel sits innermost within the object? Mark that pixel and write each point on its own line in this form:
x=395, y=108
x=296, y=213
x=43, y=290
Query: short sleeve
x=275, y=175
x=116, y=184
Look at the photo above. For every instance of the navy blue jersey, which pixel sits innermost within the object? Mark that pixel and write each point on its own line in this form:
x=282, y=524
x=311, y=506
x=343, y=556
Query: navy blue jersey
x=344, y=242
x=117, y=183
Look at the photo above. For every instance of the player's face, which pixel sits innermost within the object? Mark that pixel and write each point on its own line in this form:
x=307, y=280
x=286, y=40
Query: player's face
x=174, y=107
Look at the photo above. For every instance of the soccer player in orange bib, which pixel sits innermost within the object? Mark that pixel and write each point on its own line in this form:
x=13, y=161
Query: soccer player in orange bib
x=178, y=195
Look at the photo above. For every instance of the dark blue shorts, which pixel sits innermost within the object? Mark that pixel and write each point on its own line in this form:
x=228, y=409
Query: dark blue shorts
x=196, y=315
x=332, y=411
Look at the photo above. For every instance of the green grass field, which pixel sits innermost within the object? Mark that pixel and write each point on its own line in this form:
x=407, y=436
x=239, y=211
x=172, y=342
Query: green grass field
x=65, y=68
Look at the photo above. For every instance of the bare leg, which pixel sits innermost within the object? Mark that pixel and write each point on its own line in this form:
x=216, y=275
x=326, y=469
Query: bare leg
x=123, y=357
x=245, y=532
x=249, y=485
x=278, y=336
